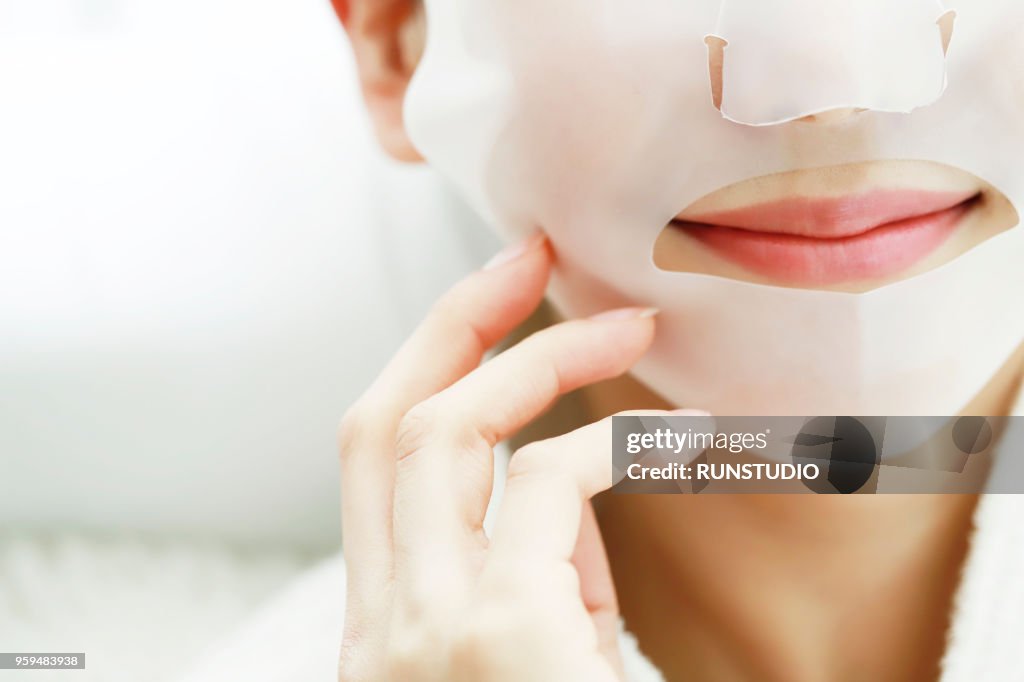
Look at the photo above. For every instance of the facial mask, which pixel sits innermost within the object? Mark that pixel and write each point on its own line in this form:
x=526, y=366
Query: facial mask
x=595, y=121
x=790, y=58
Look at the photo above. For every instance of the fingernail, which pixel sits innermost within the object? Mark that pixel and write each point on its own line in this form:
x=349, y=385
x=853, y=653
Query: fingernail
x=688, y=412
x=625, y=314
x=514, y=251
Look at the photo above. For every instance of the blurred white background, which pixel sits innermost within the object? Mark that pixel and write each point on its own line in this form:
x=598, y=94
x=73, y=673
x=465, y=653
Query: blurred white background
x=203, y=260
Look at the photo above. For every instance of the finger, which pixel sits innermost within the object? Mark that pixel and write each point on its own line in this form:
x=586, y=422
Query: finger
x=472, y=316
x=445, y=463
x=500, y=397
x=597, y=589
x=546, y=485
x=464, y=323
x=540, y=524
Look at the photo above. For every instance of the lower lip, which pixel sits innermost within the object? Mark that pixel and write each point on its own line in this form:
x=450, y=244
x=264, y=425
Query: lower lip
x=797, y=260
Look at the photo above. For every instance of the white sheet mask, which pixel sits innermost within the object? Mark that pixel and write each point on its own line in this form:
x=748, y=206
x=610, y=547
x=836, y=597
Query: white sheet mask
x=790, y=58
x=595, y=121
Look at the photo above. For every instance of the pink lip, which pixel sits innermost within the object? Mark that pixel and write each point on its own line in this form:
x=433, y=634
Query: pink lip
x=808, y=241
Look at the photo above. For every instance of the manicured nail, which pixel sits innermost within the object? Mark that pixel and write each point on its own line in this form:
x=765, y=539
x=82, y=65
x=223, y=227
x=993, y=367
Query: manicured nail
x=625, y=314
x=514, y=251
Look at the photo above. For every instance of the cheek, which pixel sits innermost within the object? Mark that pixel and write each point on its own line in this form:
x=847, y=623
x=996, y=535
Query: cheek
x=1015, y=58
x=1007, y=59
x=999, y=61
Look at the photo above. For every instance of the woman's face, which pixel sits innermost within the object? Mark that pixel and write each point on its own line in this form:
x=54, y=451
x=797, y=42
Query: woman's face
x=846, y=227
x=609, y=122
x=808, y=234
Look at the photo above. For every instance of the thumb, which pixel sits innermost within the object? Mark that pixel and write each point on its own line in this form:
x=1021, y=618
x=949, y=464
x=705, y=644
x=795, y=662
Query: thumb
x=597, y=588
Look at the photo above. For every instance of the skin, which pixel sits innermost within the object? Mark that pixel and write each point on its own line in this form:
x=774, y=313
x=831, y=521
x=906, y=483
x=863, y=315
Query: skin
x=782, y=587
x=789, y=587
x=430, y=596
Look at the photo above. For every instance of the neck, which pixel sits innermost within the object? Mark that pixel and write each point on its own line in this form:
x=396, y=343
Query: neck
x=789, y=587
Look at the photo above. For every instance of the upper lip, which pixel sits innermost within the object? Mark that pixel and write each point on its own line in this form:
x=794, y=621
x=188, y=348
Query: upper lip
x=831, y=217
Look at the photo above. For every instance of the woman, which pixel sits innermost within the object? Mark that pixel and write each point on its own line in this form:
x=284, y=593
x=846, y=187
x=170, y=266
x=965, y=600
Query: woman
x=714, y=587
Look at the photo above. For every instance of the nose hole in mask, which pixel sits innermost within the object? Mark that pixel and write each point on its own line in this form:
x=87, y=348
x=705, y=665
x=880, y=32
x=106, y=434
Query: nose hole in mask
x=716, y=59
x=945, y=23
x=716, y=62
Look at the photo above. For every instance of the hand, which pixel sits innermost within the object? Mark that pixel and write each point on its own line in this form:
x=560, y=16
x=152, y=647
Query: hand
x=430, y=595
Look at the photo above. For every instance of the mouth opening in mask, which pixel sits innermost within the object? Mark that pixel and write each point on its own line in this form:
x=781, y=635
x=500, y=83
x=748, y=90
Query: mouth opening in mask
x=853, y=228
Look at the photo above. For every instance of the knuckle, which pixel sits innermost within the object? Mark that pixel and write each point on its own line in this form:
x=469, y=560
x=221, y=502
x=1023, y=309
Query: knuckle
x=448, y=304
x=433, y=420
x=477, y=645
x=404, y=657
x=416, y=428
x=537, y=466
x=470, y=649
x=530, y=461
x=449, y=312
x=451, y=305
x=416, y=645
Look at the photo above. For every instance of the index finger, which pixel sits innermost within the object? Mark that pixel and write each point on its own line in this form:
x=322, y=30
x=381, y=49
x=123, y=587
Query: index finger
x=472, y=316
